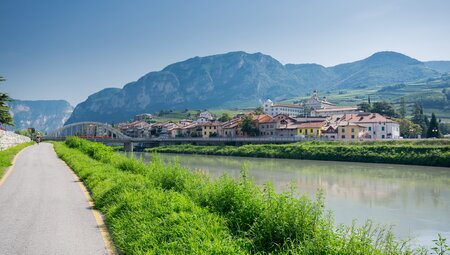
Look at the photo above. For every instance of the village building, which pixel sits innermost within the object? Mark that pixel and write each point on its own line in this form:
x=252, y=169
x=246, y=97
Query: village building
x=204, y=117
x=231, y=128
x=330, y=133
x=315, y=102
x=292, y=110
x=378, y=126
x=210, y=129
x=136, y=129
x=351, y=131
x=143, y=117
x=311, y=129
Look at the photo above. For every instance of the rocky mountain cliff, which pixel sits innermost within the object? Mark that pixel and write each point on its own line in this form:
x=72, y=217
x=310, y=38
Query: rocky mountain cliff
x=44, y=115
x=240, y=79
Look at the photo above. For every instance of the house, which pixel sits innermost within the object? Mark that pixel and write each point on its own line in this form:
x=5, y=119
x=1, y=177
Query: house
x=315, y=102
x=231, y=128
x=311, y=129
x=351, y=131
x=204, y=117
x=136, y=129
x=191, y=130
x=292, y=110
x=378, y=126
x=266, y=126
x=209, y=129
x=330, y=133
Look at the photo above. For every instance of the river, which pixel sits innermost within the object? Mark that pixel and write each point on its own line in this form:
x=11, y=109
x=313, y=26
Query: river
x=415, y=200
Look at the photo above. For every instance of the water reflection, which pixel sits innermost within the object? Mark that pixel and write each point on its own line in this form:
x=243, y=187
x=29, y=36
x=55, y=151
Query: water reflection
x=415, y=199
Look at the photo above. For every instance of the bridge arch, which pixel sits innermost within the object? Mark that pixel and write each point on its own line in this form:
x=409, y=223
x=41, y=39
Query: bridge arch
x=88, y=129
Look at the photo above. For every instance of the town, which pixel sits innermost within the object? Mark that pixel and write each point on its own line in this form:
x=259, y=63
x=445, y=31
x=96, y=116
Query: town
x=317, y=118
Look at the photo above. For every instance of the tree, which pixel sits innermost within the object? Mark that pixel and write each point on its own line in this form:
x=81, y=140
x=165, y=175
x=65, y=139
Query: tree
x=384, y=108
x=433, y=128
x=225, y=117
x=419, y=118
x=248, y=127
x=259, y=111
x=408, y=129
x=368, y=100
x=402, y=109
x=365, y=107
x=5, y=115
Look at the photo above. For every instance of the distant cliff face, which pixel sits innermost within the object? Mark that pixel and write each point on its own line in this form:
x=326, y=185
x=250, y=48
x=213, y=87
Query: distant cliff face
x=230, y=80
x=239, y=79
x=44, y=115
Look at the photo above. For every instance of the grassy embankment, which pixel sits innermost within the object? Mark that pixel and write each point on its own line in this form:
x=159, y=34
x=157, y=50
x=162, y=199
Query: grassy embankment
x=166, y=209
x=6, y=156
x=429, y=153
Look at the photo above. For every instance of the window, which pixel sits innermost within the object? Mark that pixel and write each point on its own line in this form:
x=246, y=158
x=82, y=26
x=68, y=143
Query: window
x=353, y=131
x=205, y=133
x=343, y=130
x=353, y=136
x=382, y=136
x=382, y=128
x=343, y=136
x=370, y=128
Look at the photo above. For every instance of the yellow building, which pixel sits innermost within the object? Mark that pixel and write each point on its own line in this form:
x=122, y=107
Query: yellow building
x=311, y=129
x=209, y=129
x=351, y=131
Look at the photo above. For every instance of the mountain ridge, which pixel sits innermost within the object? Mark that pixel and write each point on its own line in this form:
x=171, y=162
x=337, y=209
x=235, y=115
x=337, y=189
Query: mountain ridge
x=240, y=79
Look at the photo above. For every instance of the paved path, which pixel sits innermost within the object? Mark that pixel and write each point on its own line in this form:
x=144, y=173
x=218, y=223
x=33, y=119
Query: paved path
x=43, y=210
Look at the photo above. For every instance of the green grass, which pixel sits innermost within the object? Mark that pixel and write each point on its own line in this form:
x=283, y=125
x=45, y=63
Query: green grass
x=6, y=156
x=162, y=208
x=421, y=152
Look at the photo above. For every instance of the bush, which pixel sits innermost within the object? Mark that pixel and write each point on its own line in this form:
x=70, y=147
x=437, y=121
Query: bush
x=429, y=152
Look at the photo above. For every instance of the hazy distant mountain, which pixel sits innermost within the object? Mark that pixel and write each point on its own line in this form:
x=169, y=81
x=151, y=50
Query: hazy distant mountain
x=440, y=66
x=44, y=115
x=239, y=79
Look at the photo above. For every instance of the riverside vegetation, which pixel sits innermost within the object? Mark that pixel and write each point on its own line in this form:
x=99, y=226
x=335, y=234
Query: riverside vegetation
x=6, y=156
x=160, y=208
x=420, y=152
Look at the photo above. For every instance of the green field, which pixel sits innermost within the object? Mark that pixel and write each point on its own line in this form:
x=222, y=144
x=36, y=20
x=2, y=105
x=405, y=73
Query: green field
x=160, y=208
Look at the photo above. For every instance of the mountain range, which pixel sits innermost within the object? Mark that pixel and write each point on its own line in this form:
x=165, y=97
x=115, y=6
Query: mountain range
x=240, y=79
x=44, y=115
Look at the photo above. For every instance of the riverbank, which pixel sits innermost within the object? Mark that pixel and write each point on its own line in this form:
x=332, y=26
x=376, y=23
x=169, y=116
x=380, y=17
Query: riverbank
x=167, y=209
x=7, y=156
x=427, y=153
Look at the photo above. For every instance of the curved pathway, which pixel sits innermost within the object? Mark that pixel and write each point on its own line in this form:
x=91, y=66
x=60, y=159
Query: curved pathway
x=43, y=210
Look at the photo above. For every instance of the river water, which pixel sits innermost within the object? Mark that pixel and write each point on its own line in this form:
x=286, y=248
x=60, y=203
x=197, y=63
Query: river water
x=415, y=200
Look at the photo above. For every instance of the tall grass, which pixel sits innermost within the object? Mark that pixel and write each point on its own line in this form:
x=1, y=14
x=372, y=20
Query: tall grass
x=6, y=156
x=166, y=209
x=429, y=153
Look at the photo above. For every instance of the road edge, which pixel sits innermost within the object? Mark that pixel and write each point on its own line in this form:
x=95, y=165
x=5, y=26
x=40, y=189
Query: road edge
x=99, y=218
x=9, y=169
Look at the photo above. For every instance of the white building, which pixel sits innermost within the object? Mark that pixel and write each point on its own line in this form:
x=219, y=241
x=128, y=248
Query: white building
x=378, y=126
x=204, y=117
x=315, y=102
x=291, y=110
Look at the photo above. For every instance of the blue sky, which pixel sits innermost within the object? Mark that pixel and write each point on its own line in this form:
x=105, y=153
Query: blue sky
x=71, y=49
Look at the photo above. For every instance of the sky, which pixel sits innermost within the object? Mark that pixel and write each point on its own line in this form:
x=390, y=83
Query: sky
x=71, y=49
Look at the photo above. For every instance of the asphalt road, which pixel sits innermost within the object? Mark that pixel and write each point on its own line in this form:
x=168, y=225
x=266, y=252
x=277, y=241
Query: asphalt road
x=43, y=210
